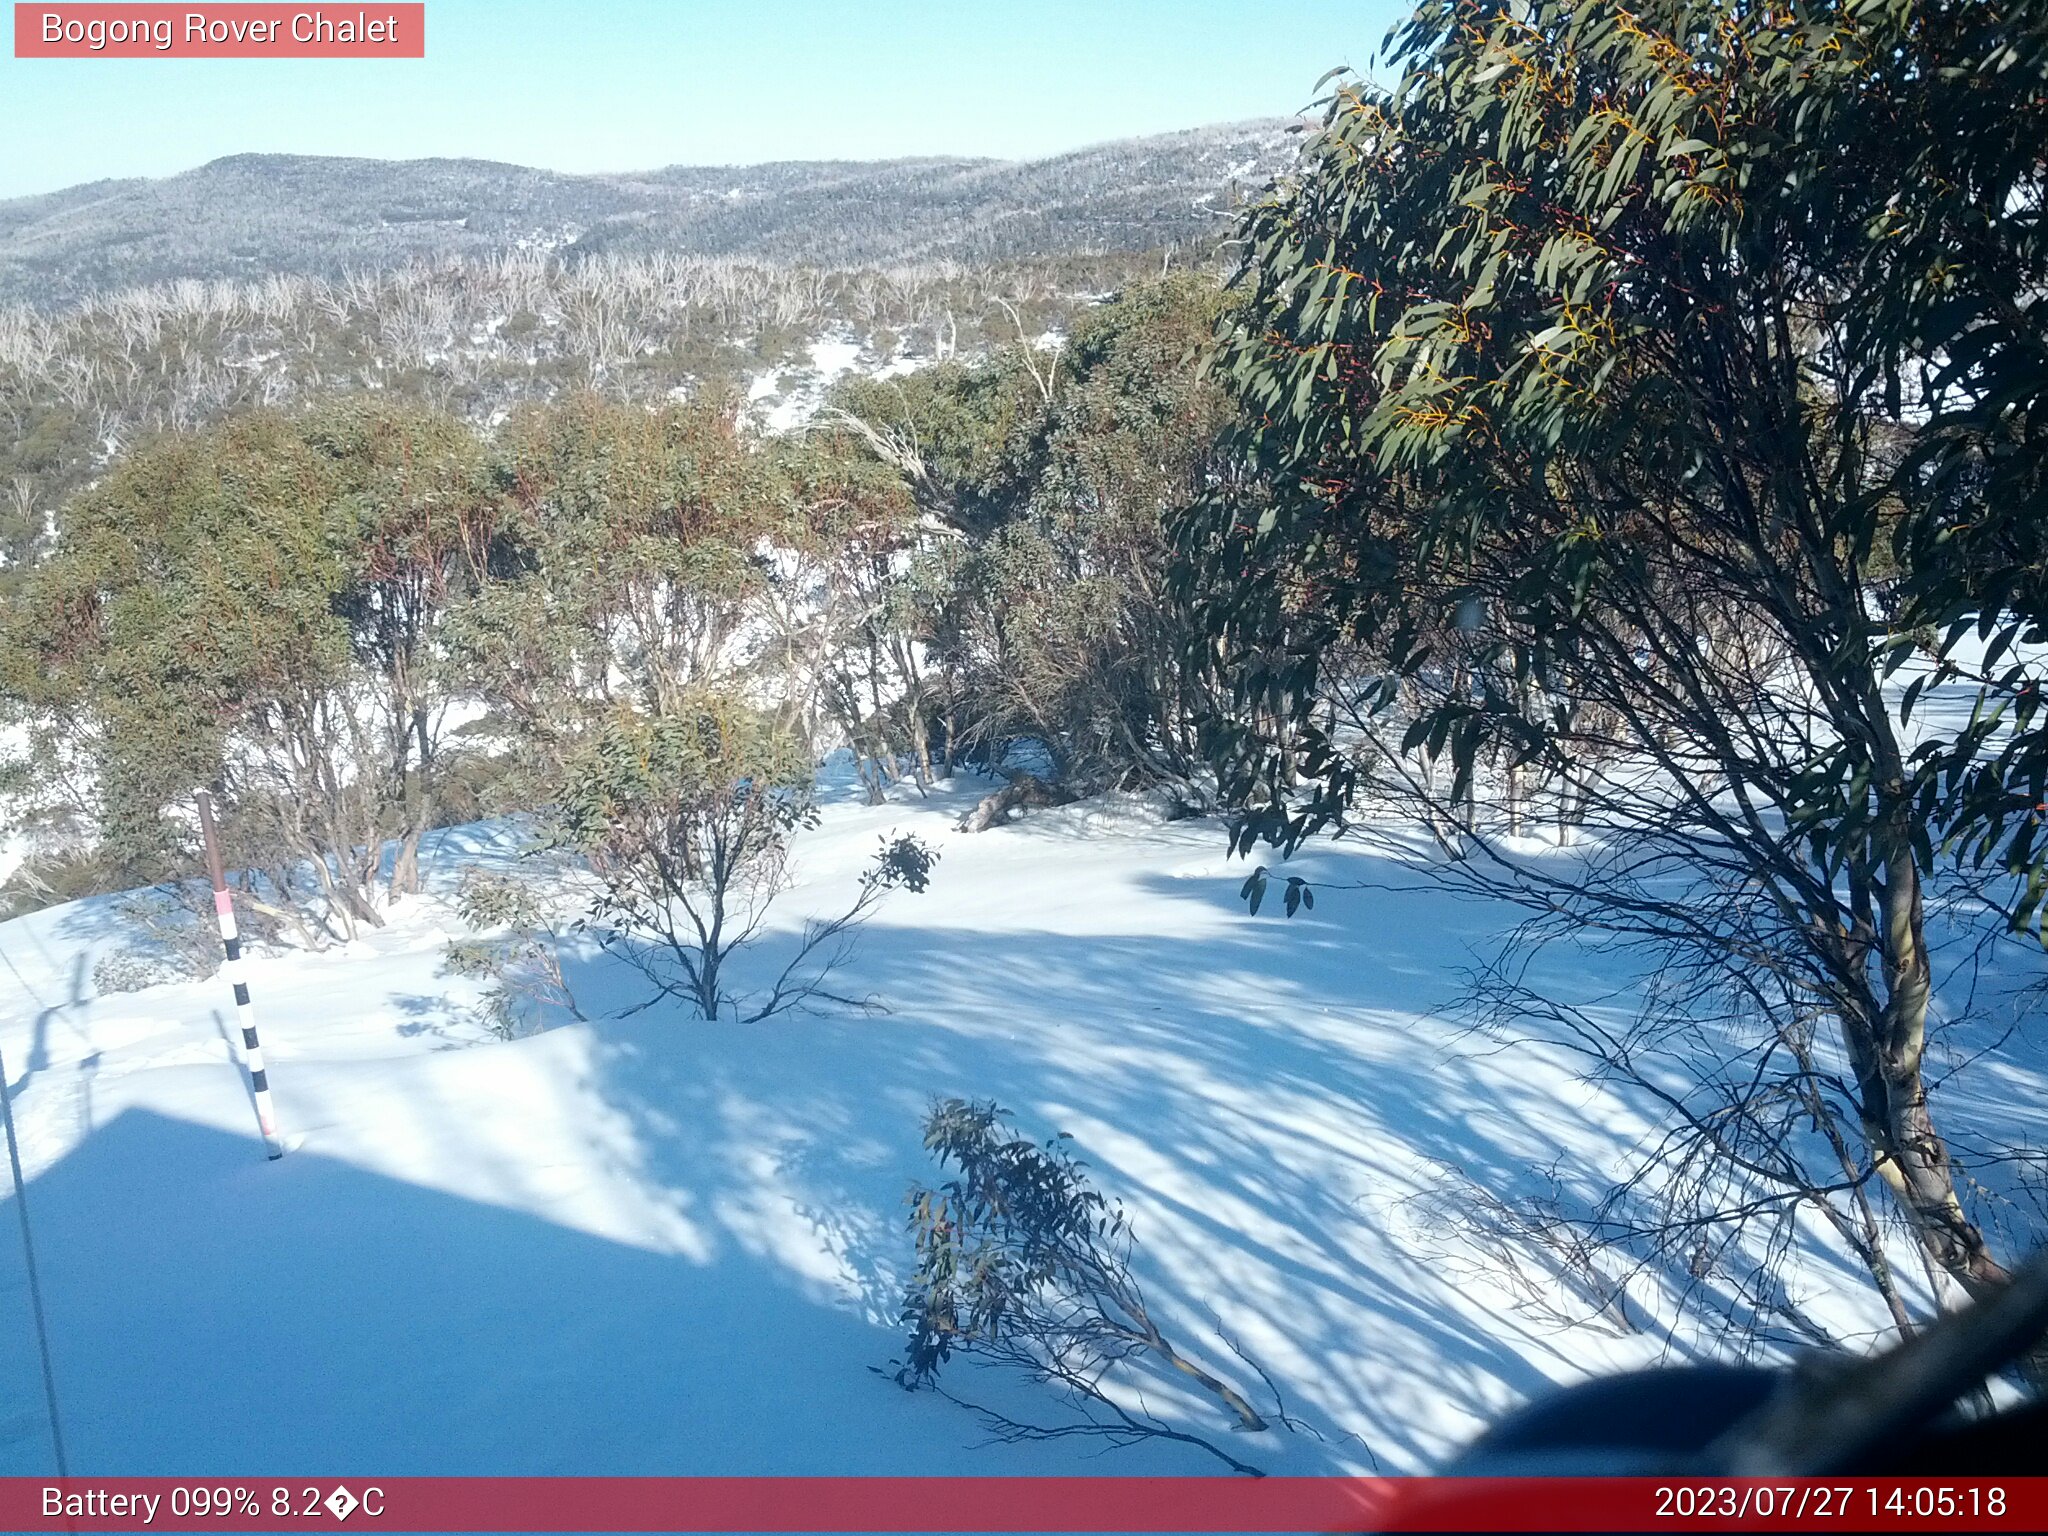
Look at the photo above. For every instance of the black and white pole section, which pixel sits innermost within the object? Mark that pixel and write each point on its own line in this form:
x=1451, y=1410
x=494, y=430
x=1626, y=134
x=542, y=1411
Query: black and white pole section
x=245, y=1015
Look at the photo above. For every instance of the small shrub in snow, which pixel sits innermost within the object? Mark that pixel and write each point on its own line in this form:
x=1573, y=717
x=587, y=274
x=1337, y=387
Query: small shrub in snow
x=167, y=941
x=176, y=925
x=130, y=970
x=523, y=964
x=1022, y=1264
x=50, y=876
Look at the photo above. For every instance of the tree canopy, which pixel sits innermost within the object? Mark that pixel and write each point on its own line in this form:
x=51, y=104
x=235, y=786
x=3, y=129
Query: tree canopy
x=1632, y=386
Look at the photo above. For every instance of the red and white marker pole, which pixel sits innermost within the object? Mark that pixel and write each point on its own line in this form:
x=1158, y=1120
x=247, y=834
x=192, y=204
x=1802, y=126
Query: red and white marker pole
x=245, y=1015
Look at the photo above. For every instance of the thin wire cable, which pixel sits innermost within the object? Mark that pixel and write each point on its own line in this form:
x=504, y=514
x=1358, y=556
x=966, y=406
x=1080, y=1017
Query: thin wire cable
x=35, y=1285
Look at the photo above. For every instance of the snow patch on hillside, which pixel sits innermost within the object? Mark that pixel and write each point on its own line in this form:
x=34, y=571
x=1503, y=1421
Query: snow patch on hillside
x=786, y=398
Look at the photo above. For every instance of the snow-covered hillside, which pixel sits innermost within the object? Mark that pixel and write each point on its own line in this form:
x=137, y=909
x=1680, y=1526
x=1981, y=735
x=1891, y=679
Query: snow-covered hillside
x=653, y=1245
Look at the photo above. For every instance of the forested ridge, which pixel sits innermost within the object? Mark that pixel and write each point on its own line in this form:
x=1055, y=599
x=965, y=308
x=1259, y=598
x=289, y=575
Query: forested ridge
x=262, y=215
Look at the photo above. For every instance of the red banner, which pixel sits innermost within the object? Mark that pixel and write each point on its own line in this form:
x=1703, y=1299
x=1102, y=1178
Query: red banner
x=363, y=31
x=1022, y=1504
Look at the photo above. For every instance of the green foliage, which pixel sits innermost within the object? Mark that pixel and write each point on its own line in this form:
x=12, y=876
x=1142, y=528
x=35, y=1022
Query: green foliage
x=253, y=607
x=868, y=586
x=487, y=900
x=190, y=588
x=169, y=935
x=130, y=970
x=1067, y=630
x=1037, y=584
x=1957, y=266
x=46, y=454
x=50, y=878
x=1602, y=292
x=521, y=959
x=685, y=818
x=1022, y=1263
x=1019, y=1227
x=1627, y=382
x=971, y=433
x=722, y=779
x=627, y=559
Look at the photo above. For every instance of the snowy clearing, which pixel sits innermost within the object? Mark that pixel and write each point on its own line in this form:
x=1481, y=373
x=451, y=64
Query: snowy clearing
x=653, y=1245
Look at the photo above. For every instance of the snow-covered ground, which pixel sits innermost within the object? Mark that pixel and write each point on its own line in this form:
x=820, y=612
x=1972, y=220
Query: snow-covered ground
x=654, y=1245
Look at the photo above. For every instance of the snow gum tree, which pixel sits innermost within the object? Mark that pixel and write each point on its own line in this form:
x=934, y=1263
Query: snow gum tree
x=1592, y=373
x=686, y=819
x=867, y=593
x=632, y=558
x=1044, y=481
x=1069, y=628
x=634, y=639
x=256, y=607
x=420, y=522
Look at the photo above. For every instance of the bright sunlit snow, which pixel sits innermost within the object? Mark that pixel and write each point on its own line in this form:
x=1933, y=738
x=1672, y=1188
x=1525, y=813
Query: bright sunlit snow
x=655, y=1245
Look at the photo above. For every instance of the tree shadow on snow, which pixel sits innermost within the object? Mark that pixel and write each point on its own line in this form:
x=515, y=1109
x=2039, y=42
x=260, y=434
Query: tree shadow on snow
x=1256, y=1120
x=213, y=1313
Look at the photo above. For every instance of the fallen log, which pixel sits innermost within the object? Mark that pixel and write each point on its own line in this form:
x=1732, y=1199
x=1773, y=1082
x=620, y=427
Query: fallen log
x=1026, y=789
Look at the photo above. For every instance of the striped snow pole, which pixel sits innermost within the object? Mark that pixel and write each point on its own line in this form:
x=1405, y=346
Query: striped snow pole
x=245, y=1015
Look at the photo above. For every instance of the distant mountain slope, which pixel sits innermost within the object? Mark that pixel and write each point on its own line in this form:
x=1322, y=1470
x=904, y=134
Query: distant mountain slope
x=251, y=214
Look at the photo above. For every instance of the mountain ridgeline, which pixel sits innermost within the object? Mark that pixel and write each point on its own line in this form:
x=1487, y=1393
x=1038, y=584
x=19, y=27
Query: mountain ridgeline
x=254, y=215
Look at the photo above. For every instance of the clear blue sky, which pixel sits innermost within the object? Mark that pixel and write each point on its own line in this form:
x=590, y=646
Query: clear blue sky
x=633, y=84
